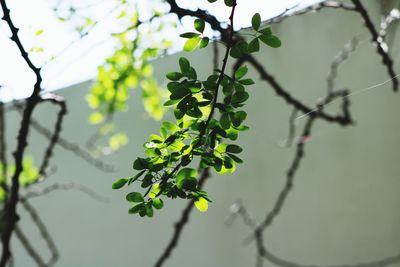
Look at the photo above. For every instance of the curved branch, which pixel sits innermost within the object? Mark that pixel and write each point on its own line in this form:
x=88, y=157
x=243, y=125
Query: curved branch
x=379, y=41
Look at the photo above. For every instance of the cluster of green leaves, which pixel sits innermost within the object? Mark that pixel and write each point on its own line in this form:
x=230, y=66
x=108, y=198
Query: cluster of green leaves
x=195, y=136
x=126, y=69
x=264, y=35
x=195, y=39
x=29, y=176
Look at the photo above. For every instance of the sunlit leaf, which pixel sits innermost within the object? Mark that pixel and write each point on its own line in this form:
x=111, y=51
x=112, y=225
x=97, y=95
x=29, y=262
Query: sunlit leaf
x=201, y=204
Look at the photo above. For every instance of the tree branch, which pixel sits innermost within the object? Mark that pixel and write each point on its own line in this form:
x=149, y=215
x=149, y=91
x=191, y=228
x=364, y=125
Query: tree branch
x=379, y=41
x=179, y=225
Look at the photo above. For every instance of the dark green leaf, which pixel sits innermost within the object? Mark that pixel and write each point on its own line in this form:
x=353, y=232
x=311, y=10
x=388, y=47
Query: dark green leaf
x=119, y=183
x=199, y=25
x=229, y=2
x=270, y=40
x=149, y=211
x=177, y=90
x=233, y=149
x=136, y=208
x=235, y=158
x=189, y=35
x=134, y=197
x=254, y=46
x=225, y=121
x=192, y=74
x=134, y=178
x=174, y=76
x=266, y=31
x=247, y=81
x=241, y=72
x=256, y=21
x=240, y=97
x=204, y=42
x=184, y=64
x=140, y=164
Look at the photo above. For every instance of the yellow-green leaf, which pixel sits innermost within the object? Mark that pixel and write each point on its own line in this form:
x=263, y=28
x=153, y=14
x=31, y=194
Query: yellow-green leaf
x=201, y=204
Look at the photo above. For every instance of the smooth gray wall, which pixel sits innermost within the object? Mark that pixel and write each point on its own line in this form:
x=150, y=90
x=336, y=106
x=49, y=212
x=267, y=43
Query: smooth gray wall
x=343, y=209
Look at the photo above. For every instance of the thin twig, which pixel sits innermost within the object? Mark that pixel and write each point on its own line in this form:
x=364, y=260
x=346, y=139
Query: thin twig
x=57, y=129
x=180, y=224
x=68, y=186
x=29, y=247
x=69, y=145
x=43, y=232
x=380, y=43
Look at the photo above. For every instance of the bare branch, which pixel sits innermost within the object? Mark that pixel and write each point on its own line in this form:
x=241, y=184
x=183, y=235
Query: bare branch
x=341, y=57
x=379, y=41
x=285, y=263
x=313, y=8
x=179, y=225
x=71, y=146
x=43, y=232
x=68, y=186
x=281, y=92
x=29, y=247
x=57, y=129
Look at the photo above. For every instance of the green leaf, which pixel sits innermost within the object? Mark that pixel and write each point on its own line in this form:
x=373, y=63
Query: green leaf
x=201, y=204
x=212, y=1
x=199, y=25
x=228, y=89
x=119, y=183
x=170, y=126
x=267, y=31
x=240, y=97
x=254, y=46
x=174, y=76
x=204, y=42
x=134, y=197
x=192, y=74
x=149, y=211
x=134, y=178
x=189, y=35
x=241, y=72
x=39, y=32
x=136, y=208
x=235, y=52
x=170, y=102
x=140, y=164
x=270, y=40
x=155, y=191
x=185, y=174
x=158, y=203
x=184, y=64
x=235, y=158
x=225, y=121
x=191, y=44
x=234, y=149
x=239, y=49
x=256, y=21
x=247, y=81
x=177, y=90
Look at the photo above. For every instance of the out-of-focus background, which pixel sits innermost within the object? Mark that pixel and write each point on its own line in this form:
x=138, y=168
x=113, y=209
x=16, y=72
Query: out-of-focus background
x=344, y=206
